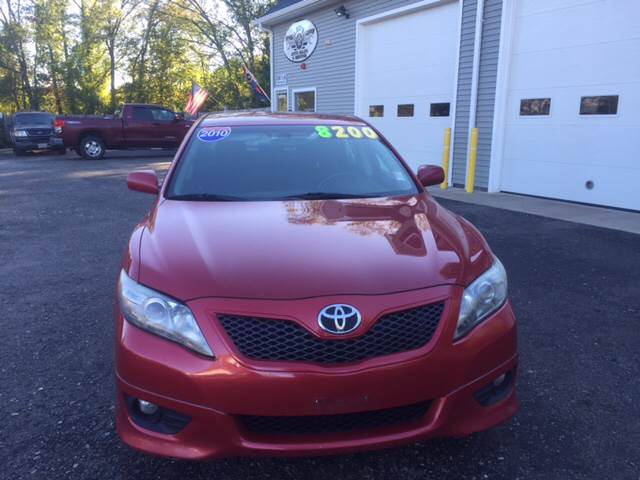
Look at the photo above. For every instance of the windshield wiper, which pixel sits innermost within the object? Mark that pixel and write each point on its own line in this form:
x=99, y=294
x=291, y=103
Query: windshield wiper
x=321, y=196
x=206, y=197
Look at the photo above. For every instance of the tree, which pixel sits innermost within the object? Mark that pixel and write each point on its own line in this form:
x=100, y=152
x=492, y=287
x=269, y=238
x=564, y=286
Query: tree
x=226, y=28
x=15, y=36
x=83, y=56
x=49, y=21
x=90, y=56
x=117, y=12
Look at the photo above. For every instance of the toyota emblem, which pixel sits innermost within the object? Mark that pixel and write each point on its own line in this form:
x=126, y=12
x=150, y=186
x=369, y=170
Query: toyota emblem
x=339, y=319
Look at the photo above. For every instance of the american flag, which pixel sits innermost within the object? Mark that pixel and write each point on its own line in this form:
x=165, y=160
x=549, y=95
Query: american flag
x=196, y=99
x=255, y=86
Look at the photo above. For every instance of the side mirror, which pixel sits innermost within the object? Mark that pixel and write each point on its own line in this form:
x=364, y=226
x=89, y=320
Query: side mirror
x=145, y=181
x=178, y=117
x=430, y=175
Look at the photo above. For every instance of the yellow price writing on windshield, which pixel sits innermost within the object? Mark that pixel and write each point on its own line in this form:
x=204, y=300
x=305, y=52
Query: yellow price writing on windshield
x=337, y=131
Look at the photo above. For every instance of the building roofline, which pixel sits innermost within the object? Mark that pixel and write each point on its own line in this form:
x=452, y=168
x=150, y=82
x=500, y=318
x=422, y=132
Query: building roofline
x=290, y=12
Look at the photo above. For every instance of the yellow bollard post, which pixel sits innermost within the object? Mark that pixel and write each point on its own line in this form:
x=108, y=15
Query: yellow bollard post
x=473, y=157
x=445, y=157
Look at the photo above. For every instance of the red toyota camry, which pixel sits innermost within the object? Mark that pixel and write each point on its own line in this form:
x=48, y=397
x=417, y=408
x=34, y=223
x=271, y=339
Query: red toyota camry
x=295, y=290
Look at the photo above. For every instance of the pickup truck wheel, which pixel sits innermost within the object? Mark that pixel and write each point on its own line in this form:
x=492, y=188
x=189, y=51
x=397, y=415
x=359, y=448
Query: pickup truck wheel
x=91, y=147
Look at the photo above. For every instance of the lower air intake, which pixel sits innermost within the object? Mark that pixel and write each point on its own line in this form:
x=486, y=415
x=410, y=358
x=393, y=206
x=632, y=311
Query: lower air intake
x=346, y=422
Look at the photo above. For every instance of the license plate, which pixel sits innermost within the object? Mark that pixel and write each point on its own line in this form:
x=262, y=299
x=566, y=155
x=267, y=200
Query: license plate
x=42, y=145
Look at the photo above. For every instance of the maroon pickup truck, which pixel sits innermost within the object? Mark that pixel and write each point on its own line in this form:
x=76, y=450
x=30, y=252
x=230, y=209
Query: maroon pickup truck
x=134, y=126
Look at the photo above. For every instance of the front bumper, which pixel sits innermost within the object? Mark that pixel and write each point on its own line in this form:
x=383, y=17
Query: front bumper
x=215, y=394
x=26, y=144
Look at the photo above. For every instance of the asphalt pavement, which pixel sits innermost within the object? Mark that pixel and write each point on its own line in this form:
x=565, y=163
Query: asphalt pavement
x=64, y=223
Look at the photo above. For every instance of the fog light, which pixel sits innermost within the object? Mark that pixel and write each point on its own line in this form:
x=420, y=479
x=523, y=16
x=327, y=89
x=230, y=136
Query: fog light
x=147, y=408
x=495, y=391
x=154, y=417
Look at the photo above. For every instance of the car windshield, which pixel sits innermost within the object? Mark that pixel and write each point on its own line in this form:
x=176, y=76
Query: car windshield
x=32, y=119
x=250, y=163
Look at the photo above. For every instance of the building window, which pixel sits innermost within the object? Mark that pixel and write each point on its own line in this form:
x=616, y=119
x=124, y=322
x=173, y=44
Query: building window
x=282, y=101
x=440, y=109
x=599, y=105
x=376, y=110
x=405, y=110
x=304, y=100
x=535, y=106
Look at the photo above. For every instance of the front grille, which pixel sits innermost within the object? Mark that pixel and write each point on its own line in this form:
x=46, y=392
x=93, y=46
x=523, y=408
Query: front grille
x=346, y=422
x=38, y=132
x=284, y=340
x=32, y=139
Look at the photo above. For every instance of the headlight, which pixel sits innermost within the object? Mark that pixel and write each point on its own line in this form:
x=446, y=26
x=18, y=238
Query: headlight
x=159, y=314
x=484, y=296
x=20, y=133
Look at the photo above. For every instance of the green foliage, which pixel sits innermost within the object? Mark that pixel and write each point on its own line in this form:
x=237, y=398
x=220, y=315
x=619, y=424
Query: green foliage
x=87, y=56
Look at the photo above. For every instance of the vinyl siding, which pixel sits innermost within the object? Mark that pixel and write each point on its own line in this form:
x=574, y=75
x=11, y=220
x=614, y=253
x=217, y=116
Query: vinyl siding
x=463, y=97
x=331, y=70
x=487, y=75
x=487, y=87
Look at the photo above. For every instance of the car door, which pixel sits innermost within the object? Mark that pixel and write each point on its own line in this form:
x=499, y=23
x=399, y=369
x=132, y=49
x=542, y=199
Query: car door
x=168, y=130
x=181, y=127
x=139, y=127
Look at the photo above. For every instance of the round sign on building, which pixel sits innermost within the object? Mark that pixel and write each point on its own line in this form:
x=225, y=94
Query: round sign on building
x=300, y=41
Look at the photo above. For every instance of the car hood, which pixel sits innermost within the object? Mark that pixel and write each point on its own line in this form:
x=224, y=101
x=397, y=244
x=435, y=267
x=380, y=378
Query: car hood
x=302, y=249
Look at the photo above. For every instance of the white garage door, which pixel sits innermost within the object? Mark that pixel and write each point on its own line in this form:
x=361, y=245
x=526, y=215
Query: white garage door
x=569, y=55
x=405, y=74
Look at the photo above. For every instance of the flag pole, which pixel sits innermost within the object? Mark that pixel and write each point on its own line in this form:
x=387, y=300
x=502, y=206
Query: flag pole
x=258, y=83
x=265, y=92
